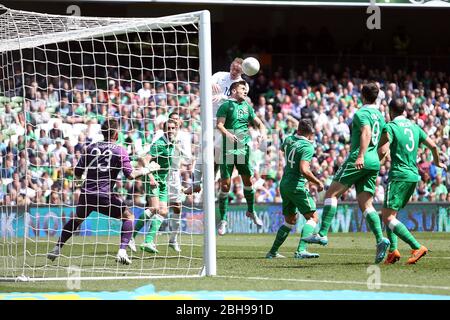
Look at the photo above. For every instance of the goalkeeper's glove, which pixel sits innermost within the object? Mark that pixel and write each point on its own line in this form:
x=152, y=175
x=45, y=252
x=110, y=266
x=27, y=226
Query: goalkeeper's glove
x=151, y=167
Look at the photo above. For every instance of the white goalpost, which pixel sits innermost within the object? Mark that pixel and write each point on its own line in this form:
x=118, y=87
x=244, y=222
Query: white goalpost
x=60, y=78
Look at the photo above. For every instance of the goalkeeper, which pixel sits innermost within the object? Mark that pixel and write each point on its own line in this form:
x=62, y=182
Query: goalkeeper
x=101, y=165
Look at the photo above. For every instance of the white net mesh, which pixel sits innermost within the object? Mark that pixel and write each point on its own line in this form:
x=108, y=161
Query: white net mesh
x=61, y=78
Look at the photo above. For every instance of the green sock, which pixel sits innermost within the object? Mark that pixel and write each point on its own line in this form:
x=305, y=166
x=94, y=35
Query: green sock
x=403, y=233
x=329, y=210
x=154, y=227
x=374, y=221
x=393, y=239
x=249, y=194
x=281, y=236
x=307, y=230
x=223, y=205
x=140, y=223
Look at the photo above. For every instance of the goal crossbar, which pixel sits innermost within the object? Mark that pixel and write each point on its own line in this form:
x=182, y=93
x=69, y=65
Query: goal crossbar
x=18, y=32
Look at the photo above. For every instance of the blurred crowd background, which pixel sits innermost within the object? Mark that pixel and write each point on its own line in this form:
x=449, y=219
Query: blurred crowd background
x=44, y=130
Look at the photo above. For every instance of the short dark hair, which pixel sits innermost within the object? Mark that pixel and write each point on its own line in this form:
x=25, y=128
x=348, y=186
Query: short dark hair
x=370, y=92
x=305, y=127
x=170, y=121
x=397, y=106
x=237, y=83
x=109, y=128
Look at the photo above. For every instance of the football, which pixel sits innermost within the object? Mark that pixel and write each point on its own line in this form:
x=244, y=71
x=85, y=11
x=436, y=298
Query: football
x=250, y=66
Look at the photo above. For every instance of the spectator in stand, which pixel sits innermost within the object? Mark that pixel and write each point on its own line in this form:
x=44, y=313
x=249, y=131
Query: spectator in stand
x=330, y=96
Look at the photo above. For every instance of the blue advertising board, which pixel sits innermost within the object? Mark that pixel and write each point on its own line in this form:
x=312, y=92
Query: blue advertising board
x=47, y=221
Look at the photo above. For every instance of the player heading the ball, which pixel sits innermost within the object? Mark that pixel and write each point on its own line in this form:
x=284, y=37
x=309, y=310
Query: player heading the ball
x=233, y=118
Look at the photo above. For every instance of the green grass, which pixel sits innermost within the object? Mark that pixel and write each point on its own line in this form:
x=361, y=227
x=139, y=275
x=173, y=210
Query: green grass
x=241, y=266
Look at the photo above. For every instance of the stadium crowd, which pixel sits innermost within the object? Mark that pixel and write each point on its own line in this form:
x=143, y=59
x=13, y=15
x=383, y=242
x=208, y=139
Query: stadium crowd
x=54, y=122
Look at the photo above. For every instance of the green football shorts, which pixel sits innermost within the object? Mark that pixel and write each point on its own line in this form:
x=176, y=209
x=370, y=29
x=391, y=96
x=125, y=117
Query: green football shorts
x=364, y=179
x=297, y=199
x=241, y=161
x=160, y=191
x=398, y=193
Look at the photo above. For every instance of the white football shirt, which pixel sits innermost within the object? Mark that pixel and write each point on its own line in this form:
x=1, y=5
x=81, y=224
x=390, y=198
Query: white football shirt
x=224, y=80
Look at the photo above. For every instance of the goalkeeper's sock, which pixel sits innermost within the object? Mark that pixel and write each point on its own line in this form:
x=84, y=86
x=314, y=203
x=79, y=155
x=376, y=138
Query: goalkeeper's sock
x=329, y=210
x=403, y=233
x=374, y=221
x=393, y=238
x=175, y=226
x=125, y=234
x=308, y=229
x=249, y=194
x=68, y=230
x=141, y=221
x=156, y=222
x=282, y=234
x=223, y=205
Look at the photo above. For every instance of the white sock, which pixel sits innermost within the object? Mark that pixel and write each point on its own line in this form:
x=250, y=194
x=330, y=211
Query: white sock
x=175, y=226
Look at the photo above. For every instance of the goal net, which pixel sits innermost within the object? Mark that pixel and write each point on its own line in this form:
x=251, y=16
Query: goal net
x=61, y=78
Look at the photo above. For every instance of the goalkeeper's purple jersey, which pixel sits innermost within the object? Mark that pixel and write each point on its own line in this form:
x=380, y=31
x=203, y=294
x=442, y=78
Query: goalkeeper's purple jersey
x=101, y=164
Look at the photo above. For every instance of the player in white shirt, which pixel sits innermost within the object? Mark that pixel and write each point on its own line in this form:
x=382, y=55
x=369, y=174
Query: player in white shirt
x=221, y=83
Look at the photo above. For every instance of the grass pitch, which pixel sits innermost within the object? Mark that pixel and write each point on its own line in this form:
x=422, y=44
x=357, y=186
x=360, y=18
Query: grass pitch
x=241, y=265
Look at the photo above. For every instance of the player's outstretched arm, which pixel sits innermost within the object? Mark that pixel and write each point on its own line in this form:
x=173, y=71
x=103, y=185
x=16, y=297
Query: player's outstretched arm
x=306, y=172
x=139, y=172
x=383, y=147
x=149, y=166
x=435, y=151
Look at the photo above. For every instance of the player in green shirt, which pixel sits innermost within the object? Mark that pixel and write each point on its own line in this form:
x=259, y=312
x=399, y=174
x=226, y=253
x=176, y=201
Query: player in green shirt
x=401, y=138
x=360, y=169
x=156, y=185
x=298, y=151
x=233, y=118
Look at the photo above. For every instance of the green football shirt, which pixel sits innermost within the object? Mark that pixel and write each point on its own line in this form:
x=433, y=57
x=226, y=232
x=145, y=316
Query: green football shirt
x=237, y=117
x=404, y=137
x=162, y=150
x=371, y=116
x=296, y=148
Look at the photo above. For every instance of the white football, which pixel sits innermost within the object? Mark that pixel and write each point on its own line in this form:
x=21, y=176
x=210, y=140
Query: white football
x=250, y=66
